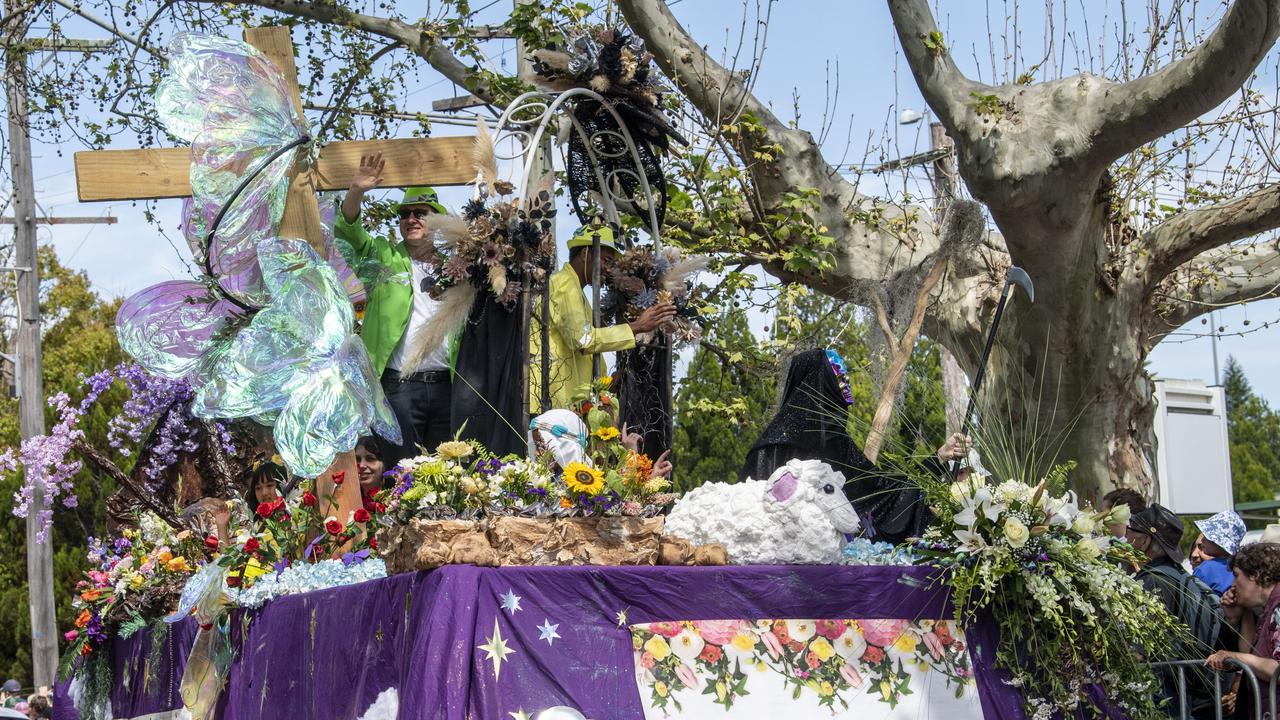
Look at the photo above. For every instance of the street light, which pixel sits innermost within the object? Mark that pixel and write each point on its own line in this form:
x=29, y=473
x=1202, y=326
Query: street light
x=909, y=117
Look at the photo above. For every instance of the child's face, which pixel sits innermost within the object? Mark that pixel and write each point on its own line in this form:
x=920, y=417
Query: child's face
x=265, y=491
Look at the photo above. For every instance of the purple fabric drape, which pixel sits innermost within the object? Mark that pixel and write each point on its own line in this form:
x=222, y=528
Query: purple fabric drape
x=330, y=653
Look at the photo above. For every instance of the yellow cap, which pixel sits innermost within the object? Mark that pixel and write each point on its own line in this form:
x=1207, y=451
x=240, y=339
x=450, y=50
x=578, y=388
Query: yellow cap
x=585, y=237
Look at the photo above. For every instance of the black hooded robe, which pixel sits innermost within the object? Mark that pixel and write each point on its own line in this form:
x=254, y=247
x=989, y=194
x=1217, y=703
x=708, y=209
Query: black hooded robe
x=810, y=425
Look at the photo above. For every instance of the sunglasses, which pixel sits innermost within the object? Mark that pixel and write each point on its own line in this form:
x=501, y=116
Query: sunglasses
x=418, y=213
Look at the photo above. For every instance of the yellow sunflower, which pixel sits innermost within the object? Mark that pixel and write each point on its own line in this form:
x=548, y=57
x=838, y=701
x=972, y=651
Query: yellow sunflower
x=581, y=478
x=607, y=433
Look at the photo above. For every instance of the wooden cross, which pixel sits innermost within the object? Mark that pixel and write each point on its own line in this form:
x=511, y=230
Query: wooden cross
x=148, y=174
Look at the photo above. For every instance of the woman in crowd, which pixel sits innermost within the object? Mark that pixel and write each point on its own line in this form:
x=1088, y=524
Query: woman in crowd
x=811, y=425
x=369, y=463
x=1256, y=588
x=1219, y=539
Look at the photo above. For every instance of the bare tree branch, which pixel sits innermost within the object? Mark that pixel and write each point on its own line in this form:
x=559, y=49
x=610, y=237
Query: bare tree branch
x=1186, y=235
x=1155, y=105
x=414, y=38
x=709, y=85
x=103, y=463
x=944, y=87
x=1216, y=279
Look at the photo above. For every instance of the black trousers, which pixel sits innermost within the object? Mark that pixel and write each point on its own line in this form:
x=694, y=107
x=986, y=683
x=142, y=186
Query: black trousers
x=422, y=409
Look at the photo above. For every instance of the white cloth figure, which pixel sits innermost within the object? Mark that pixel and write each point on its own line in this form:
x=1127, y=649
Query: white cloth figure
x=563, y=434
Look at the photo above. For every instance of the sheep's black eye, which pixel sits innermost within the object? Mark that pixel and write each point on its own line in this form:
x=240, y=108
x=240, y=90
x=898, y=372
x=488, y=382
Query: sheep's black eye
x=828, y=488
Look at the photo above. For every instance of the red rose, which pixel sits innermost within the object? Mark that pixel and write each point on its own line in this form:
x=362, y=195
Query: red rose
x=308, y=499
x=332, y=526
x=873, y=654
x=251, y=545
x=586, y=407
x=710, y=653
x=233, y=581
x=265, y=509
x=339, y=476
x=373, y=542
x=211, y=542
x=379, y=508
x=362, y=515
x=605, y=400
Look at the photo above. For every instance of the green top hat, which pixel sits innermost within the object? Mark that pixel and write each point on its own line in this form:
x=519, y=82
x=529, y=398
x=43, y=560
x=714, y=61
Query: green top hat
x=422, y=195
x=585, y=237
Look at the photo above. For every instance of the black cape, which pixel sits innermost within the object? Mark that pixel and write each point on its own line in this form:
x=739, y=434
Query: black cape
x=810, y=425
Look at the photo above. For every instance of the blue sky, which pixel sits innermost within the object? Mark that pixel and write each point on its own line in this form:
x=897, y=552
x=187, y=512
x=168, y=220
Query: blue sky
x=805, y=38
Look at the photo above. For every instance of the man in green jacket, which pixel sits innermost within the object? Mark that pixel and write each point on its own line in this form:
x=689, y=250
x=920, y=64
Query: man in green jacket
x=400, y=306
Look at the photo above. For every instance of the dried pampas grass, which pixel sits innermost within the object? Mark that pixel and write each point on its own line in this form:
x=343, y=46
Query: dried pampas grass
x=455, y=305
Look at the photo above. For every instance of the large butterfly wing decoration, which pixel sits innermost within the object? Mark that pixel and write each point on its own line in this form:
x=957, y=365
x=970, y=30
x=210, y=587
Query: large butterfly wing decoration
x=267, y=330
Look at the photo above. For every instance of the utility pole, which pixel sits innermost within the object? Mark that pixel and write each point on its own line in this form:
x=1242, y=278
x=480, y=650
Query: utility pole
x=44, y=629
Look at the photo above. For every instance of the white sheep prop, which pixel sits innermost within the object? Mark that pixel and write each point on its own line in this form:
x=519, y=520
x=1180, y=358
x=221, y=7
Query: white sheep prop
x=796, y=517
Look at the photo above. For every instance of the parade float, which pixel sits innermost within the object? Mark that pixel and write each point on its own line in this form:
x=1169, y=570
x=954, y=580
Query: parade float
x=492, y=578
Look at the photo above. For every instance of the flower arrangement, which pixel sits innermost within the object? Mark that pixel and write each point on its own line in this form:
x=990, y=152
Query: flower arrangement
x=620, y=476
x=463, y=480
x=134, y=577
x=282, y=533
x=643, y=277
x=507, y=246
x=159, y=404
x=833, y=659
x=1044, y=565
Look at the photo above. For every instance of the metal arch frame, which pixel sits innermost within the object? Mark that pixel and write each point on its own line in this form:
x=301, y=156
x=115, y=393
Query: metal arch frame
x=551, y=103
x=545, y=106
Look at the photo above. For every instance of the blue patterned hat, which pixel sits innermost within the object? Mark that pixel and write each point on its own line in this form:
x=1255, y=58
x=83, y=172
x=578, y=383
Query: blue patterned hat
x=1226, y=530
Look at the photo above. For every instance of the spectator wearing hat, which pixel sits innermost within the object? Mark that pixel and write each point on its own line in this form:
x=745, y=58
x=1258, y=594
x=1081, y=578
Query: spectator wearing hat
x=420, y=396
x=1219, y=539
x=9, y=693
x=573, y=337
x=1157, y=533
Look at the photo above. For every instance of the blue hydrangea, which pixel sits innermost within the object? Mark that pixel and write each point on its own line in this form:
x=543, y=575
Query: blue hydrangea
x=861, y=551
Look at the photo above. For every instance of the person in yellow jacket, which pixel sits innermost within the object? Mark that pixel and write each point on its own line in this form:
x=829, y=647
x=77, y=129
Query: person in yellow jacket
x=573, y=338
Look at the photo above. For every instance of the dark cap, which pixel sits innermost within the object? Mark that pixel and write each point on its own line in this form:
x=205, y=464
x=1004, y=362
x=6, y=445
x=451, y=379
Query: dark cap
x=10, y=686
x=1163, y=526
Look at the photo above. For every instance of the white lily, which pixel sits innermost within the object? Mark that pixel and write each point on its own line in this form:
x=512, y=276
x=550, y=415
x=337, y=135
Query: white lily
x=970, y=541
x=1062, y=511
x=980, y=501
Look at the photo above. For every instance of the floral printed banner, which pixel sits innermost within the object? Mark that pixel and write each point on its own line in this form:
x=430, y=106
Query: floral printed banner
x=506, y=643
x=867, y=668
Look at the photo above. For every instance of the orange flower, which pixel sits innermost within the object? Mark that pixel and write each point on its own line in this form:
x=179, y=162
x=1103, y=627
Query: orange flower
x=84, y=618
x=91, y=595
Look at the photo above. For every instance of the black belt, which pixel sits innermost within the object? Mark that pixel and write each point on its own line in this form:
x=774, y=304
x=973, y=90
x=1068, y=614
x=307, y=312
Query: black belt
x=425, y=376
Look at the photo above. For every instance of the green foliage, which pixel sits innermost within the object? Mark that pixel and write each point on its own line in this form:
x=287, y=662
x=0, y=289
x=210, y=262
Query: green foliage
x=729, y=394
x=79, y=337
x=934, y=42
x=1253, y=430
x=986, y=105
x=721, y=406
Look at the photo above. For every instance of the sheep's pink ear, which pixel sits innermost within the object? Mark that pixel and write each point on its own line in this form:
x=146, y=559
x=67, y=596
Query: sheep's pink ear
x=784, y=486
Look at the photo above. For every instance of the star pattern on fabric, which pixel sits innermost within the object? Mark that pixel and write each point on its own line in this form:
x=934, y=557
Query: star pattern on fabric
x=520, y=715
x=547, y=631
x=621, y=617
x=511, y=602
x=496, y=649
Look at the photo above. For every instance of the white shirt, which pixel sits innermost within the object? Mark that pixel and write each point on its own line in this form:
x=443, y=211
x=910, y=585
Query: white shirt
x=424, y=306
